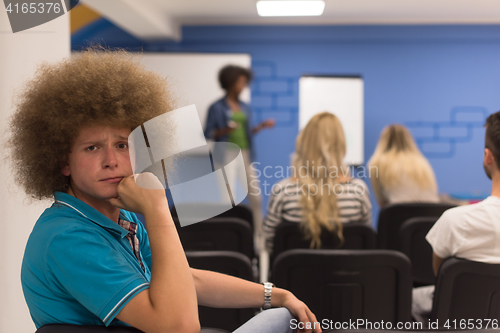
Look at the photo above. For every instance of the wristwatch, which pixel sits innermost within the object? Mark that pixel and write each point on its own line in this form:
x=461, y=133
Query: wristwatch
x=268, y=288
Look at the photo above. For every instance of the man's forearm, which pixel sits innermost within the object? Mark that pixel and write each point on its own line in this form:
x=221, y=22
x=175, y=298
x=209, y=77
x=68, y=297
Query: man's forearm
x=436, y=263
x=220, y=290
x=169, y=304
x=169, y=266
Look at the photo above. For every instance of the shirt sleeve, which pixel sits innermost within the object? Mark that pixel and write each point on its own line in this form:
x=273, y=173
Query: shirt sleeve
x=210, y=124
x=273, y=216
x=366, y=204
x=86, y=266
x=446, y=237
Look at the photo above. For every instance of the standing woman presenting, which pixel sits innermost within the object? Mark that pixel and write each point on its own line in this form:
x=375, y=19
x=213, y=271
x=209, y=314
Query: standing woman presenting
x=229, y=120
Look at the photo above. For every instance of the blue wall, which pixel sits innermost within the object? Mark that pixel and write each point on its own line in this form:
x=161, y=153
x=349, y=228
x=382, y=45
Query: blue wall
x=440, y=81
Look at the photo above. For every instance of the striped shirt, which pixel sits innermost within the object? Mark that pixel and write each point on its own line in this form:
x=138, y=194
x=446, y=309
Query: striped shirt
x=353, y=201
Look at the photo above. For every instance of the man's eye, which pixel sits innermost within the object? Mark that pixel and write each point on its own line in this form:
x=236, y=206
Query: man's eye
x=91, y=148
x=123, y=145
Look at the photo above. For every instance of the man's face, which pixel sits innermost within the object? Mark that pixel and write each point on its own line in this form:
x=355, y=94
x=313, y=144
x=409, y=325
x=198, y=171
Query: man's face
x=98, y=161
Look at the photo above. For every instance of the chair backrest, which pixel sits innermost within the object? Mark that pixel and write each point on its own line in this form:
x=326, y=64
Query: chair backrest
x=340, y=285
x=230, y=263
x=466, y=290
x=393, y=216
x=218, y=234
x=98, y=329
x=240, y=211
x=356, y=237
x=413, y=243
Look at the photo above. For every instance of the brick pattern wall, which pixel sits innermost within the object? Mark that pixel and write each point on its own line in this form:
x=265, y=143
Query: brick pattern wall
x=274, y=96
x=440, y=139
x=277, y=97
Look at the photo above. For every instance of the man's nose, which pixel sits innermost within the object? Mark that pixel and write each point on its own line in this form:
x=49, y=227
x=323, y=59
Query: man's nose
x=109, y=160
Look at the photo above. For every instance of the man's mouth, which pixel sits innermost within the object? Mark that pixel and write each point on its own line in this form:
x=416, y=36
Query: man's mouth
x=112, y=180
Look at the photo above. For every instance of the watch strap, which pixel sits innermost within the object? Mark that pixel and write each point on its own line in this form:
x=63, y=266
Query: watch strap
x=268, y=288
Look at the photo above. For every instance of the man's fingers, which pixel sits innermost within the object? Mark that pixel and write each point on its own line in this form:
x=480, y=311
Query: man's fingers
x=310, y=314
x=116, y=202
x=309, y=320
x=305, y=319
x=312, y=317
x=148, y=180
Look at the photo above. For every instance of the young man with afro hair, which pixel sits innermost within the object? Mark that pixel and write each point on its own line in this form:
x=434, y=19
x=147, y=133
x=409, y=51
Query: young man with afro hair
x=88, y=260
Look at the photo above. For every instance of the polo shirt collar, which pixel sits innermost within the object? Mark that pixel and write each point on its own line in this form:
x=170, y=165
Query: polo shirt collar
x=81, y=208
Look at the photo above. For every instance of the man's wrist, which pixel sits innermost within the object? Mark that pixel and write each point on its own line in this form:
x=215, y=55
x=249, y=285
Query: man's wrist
x=159, y=215
x=268, y=289
x=279, y=297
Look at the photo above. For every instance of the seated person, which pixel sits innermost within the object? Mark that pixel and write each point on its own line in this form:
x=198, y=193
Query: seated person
x=398, y=170
x=320, y=194
x=88, y=260
x=469, y=232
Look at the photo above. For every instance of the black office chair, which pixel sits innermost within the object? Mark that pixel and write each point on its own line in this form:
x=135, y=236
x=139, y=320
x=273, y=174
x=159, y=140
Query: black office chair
x=413, y=243
x=218, y=234
x=466, y=290
x=356, y=237
x=102, y=329
x=393, y=216
x=340, y=285
x=240, y=211
x=230, y=263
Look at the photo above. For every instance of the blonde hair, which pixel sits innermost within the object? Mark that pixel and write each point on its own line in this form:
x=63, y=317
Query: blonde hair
x=320, y=145
x=397, y=157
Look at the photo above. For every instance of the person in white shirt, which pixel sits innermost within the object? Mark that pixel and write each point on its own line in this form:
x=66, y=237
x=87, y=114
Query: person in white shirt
x=470, y=232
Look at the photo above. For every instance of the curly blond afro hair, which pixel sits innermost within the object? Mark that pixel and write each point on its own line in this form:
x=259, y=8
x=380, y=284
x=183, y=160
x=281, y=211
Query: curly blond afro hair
x=94, y=87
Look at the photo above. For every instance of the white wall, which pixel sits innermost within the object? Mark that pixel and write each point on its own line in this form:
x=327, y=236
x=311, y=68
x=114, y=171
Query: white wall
x=193, y=77
x=20, y=53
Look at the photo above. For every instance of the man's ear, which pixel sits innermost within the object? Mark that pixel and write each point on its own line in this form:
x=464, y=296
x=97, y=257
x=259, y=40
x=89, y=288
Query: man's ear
x=65, y=169
x=488, y=157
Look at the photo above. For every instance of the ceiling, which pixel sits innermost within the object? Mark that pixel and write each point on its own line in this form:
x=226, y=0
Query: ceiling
x=153, y=19
x=337, y=12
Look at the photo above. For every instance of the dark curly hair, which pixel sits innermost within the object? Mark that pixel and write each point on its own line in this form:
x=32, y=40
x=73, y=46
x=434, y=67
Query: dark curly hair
x=492, y=137
x=229, y=74
x=95, y=87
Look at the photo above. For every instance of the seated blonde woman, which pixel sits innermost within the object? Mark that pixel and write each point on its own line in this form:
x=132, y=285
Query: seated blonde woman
x=320, y=194
x=398, y=170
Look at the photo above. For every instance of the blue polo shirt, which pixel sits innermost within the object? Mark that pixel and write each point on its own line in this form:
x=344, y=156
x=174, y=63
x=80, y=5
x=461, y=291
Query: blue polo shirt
x=79, y=267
